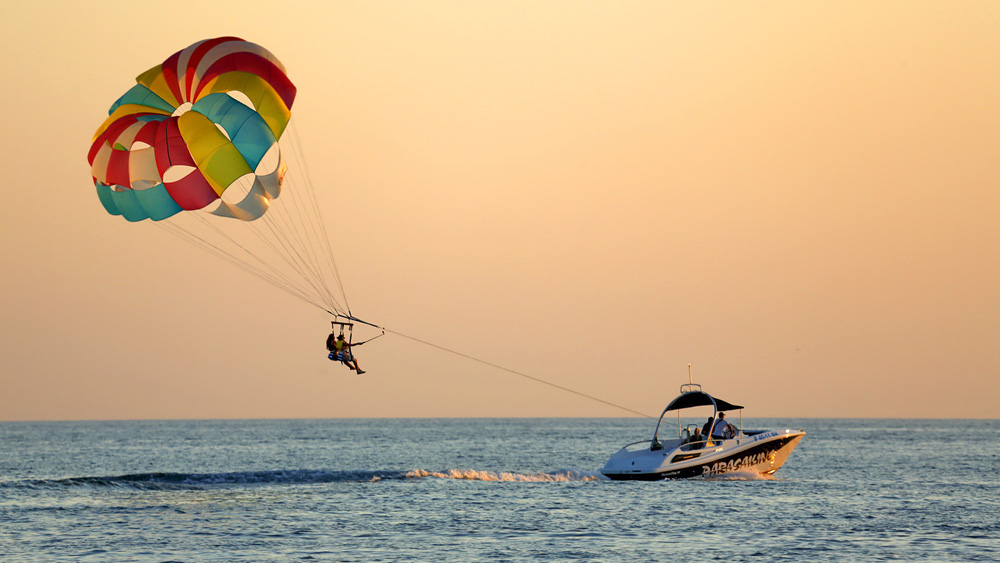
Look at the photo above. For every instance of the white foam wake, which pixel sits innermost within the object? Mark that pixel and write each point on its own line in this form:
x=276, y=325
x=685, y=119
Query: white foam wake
x=742, y=475
x=476, y=475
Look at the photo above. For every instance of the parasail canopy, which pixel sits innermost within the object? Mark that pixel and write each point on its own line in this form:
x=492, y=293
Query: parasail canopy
x=192, y=126
x=205, y=134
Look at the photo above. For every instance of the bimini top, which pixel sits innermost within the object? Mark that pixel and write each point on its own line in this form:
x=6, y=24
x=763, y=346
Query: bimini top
x=700, y=399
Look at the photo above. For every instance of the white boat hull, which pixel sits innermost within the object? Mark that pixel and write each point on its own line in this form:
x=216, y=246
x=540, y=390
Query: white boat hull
x=758, y=453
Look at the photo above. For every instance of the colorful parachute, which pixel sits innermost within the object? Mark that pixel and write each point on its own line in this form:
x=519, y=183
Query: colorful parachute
x=205, y=120
x=207, y=132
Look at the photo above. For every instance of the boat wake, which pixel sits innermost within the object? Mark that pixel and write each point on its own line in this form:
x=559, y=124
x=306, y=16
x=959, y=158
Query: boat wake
x=195, y=481
x=740, y=476
x=474, y=475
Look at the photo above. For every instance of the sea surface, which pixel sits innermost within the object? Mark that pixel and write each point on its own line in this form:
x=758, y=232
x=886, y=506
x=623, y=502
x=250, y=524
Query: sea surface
x=486, y=490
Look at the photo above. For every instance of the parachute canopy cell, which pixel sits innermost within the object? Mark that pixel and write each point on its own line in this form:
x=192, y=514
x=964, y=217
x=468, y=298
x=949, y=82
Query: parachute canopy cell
x=205, y=120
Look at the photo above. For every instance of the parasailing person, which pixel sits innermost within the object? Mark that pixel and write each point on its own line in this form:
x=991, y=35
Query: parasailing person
x=340, y=351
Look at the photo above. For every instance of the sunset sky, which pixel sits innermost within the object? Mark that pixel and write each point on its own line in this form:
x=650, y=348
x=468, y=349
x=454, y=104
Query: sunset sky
x=801, y=199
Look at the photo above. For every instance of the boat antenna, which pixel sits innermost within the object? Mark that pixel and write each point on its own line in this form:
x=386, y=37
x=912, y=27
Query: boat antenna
x=691, y=385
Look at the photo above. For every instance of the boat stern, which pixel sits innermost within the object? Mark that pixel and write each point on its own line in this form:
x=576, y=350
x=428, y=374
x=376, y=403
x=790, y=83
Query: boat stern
x=630, y=464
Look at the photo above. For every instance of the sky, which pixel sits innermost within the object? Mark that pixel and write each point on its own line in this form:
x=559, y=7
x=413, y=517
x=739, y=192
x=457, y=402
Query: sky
x=799, y=199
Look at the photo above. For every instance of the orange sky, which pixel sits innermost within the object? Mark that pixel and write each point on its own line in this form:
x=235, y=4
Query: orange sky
x=801, y=199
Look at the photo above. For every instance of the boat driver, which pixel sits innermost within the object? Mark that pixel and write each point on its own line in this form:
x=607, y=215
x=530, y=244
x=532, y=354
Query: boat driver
x=723, y=429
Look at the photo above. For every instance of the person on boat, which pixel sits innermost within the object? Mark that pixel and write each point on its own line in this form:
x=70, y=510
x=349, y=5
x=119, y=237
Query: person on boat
x=340, y=350
x=723, y=429
x=707, y=429
x=695, y=439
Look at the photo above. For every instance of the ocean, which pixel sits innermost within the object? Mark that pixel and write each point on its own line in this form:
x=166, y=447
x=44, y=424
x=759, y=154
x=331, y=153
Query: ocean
x=485, y=490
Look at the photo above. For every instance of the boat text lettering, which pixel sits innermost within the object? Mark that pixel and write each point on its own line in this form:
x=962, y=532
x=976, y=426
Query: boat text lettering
x=736, y=464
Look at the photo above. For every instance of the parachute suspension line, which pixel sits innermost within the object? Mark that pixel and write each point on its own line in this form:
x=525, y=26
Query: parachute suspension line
x=515, y=372
x=323, y=235
x=306, y=200
x=268, y=272
x=287, y=251
x=299, y=226
x=261, y=265
x=200, y=242
x=310, y=261
x=229, y=256
x=281, y=231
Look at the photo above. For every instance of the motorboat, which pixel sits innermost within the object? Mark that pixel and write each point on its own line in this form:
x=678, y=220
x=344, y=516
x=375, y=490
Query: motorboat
x=724, y=448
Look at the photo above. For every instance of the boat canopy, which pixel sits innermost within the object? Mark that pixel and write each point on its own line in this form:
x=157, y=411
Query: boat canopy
x=699, y=399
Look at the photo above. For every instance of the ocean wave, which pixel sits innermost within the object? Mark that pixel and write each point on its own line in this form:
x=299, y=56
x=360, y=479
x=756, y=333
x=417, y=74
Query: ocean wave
x=167, y=481
x=180, y=481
